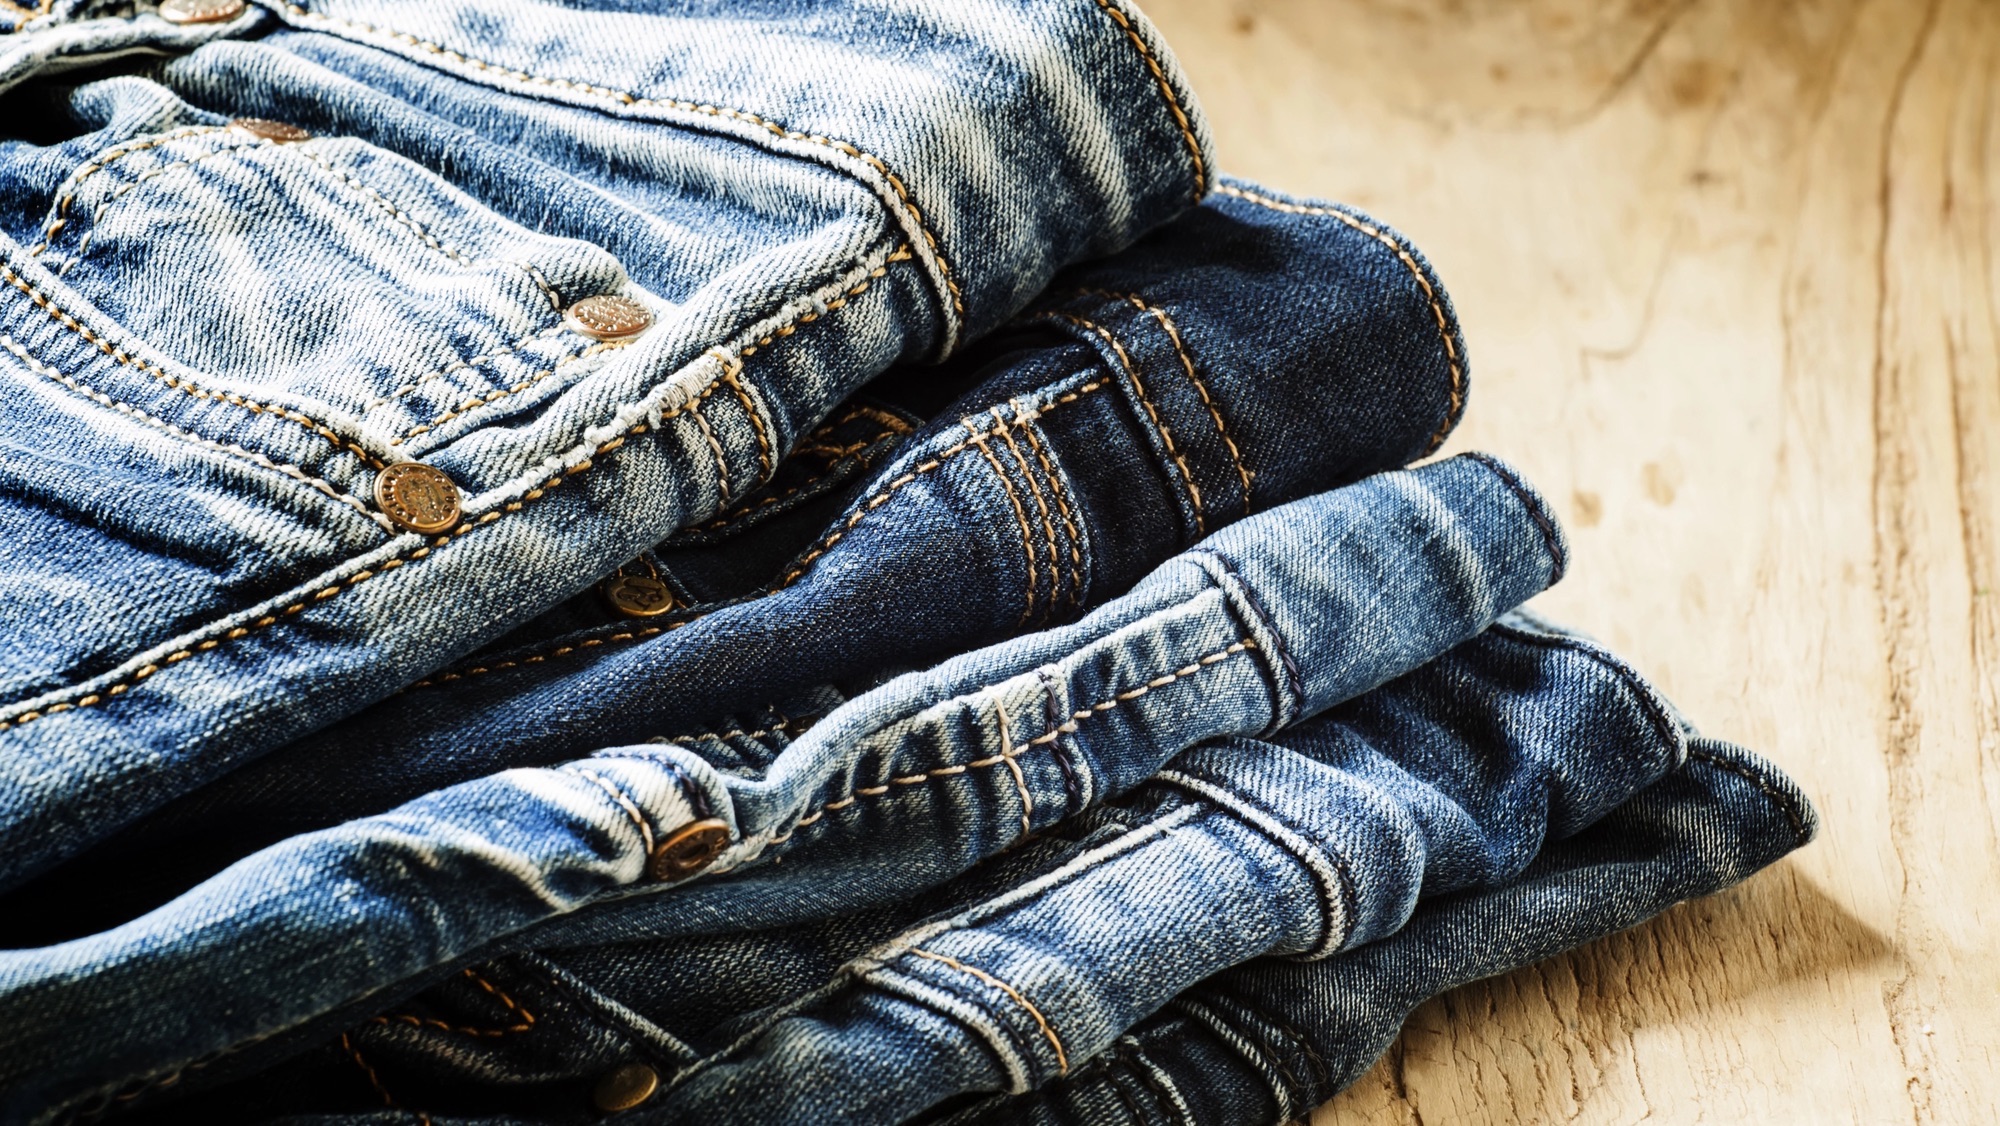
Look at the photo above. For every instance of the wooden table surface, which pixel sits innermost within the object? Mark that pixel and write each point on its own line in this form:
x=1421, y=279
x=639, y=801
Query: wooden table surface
x=1727, y=272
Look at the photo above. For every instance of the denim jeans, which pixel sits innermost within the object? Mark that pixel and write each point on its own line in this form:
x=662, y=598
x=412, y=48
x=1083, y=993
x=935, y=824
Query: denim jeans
x=593, y=269
x=776, y=563
x=1231, y=941
x=1061, y=460
x=1267, y=622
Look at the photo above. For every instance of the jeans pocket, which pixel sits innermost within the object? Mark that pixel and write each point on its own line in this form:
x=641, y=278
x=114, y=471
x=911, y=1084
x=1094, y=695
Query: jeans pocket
x=317, y=273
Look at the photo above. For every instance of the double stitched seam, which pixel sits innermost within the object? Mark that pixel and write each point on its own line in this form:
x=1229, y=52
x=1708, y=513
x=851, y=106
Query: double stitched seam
x=1296, y=842
x=1253, y=1046
x=1756, y=779
x=1243, y=473
x=404, y=219
x=1166, y=90
x=873, y=502
x=1294, y=676
x=1014, y=768
x=335, y=588
x=468, y=362
x=625, y=803
x=59, y=215
x=293, y=471
x=1139, y=390
x=1020, y=514
x=97, y=216
x=1321, y=1073
x=559, y=651
x=1457, y=390
x=1140, y=1067
x=880, y=498
x=728, y=519
x=524, y=1020
x=387, y=206
x=1048, y=1030
x=715, y=450
x=900, y=254
x=120, y=355
x=583, y=352
x=1061, y=493
x=625, y=98
x=729, y=369
x=1068, y=727
x=408, y=222
x=1072, y=786
x=1041, y=507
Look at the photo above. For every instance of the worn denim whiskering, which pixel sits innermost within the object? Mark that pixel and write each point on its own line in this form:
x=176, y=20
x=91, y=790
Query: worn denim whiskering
x=1266, y=623
x=1153, y=959
x=198, y=411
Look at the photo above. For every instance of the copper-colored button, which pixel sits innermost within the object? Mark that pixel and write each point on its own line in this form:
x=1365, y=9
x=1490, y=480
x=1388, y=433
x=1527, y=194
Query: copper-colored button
x=605, y=317
x=263, y=128
x=691, y=848
x=624, y=1087
x=200, y=11
x=639, y=596
x=417, y=497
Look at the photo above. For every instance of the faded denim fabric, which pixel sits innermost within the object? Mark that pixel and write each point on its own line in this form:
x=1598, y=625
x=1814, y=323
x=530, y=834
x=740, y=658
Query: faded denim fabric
x=213, y=343
x=1231, y=941
x=1249, y=353
x=1268, y=1041
x=1267, y=622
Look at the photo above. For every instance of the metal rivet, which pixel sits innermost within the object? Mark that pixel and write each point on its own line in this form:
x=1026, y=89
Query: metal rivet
x=200, y=11
x=417, y=497
x=639, y=596
x=624, y=1087
x=605, y=317
x=263, y=128
x=691, y=848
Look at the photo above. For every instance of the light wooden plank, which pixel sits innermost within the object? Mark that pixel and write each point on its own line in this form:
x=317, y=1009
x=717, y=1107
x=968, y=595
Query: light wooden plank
x=1727, y=269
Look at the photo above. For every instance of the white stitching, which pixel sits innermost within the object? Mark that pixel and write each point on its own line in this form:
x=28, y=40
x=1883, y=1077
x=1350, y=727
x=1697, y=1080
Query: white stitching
x=625, y=803
x=1068, y=727
x=42, y=369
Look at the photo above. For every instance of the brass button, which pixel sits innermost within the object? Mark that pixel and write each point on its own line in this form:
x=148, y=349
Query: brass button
x=639, y=596
x=265, y=129
x=624, y=1087
x=417, y=497
x=690, y=849
x=200, y=11
x=605, y=317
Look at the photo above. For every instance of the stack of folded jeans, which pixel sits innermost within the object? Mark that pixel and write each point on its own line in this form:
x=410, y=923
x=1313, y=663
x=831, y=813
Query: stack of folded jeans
x=794, y=562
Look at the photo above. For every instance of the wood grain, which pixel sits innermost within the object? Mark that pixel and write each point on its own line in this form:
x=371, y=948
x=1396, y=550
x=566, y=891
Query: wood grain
x=1728, y=278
